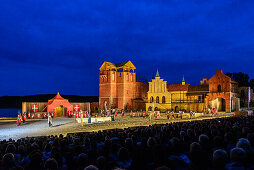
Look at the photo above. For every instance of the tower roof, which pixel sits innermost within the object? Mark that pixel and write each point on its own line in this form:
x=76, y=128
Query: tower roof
x=183, y=79
x=58, y=96
x=123, y=65
x=157, y=74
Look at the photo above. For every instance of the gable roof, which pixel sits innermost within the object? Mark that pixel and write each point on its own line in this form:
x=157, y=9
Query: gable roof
x=200, y=88
x=116, y=66
x=220, y=74
x=58, y=97
x=177, y=87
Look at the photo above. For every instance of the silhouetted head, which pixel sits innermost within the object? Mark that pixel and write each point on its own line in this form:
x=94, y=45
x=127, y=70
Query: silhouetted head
x=244, y=144
x=195, y=147
x=11, y=148
x=203, y=139
x=8, y=160
x=51, y=164
x=220, y=158
x=237, y=155
x=123, y=154
x=91, y=167
x=82, y=159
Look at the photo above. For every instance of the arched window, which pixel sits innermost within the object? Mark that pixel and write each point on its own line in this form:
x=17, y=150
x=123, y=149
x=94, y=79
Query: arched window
x=219, y=88
x=163, y=99
x=113, y=76
x=151, y=99
x=157, y=99
x=150, y=108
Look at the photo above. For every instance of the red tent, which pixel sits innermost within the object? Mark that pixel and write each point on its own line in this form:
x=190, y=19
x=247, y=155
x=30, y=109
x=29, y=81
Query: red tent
x=59, y=101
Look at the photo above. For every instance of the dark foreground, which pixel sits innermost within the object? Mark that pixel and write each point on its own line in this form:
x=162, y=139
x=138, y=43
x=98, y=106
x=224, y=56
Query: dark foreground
x=222, y=143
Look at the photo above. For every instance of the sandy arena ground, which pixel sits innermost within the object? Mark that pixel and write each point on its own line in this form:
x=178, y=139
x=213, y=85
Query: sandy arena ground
x=9, y=129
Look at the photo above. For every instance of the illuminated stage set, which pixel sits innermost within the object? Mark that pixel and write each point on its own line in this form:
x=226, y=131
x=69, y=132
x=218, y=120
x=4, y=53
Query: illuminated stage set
x=58, y=105
x=119, y=90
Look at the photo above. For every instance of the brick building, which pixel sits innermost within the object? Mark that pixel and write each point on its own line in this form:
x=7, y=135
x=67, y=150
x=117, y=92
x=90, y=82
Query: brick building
x=118, y=87
x=223, y=93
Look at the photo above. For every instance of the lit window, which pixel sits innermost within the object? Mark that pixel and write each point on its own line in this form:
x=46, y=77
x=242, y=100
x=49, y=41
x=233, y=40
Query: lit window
x=163, y=99
x=113, y=76
x=219, y=88
x=157, y=99
x=151, y=99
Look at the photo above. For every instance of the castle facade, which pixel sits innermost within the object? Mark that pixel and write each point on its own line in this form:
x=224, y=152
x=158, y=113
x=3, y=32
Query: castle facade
x=118, y=89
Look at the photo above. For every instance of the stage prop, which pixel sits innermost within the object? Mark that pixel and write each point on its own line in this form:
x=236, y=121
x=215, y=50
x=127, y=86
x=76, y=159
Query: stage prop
x=94, y=120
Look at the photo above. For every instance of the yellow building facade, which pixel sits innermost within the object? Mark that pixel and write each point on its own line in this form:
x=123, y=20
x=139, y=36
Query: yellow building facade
x=158, y=95
x=175, y=97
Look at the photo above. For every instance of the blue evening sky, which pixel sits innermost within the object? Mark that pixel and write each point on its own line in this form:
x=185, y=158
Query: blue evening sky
x=48, y=46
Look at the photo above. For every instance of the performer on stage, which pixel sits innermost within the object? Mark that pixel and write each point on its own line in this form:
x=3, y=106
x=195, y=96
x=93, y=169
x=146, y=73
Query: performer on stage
x=131, y=115
x=112, y=118
x=156, y=115
x=18, y=120
x=215, y=111
x=181, y=114
x=24, y=117
x=144, y=114
x=50, y=121
x=115, y=113
x=204, y=112
x=81, y=119
x=122, y=113
x=168, y=114
x=172, y=115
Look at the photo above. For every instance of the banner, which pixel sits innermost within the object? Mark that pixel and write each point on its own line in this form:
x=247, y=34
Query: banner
x=34, y=107
x=76, y=108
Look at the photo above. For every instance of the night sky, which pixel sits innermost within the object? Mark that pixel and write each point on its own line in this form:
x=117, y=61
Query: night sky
x=48, y=46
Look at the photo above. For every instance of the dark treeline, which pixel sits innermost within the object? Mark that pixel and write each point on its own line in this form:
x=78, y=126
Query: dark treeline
x=242, y=78
x=16, y=101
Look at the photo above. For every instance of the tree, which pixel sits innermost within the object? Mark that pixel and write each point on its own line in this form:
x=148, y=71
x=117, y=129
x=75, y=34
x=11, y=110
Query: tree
x=241, y=78
x=252, y=83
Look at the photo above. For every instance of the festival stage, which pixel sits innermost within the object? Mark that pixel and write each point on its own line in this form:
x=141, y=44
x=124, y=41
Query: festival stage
x=63, y=126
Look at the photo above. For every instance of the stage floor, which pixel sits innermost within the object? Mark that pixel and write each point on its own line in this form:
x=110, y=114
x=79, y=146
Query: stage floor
x=69, y=125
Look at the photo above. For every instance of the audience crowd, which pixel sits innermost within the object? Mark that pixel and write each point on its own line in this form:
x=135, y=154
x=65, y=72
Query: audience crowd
x=221, y=143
